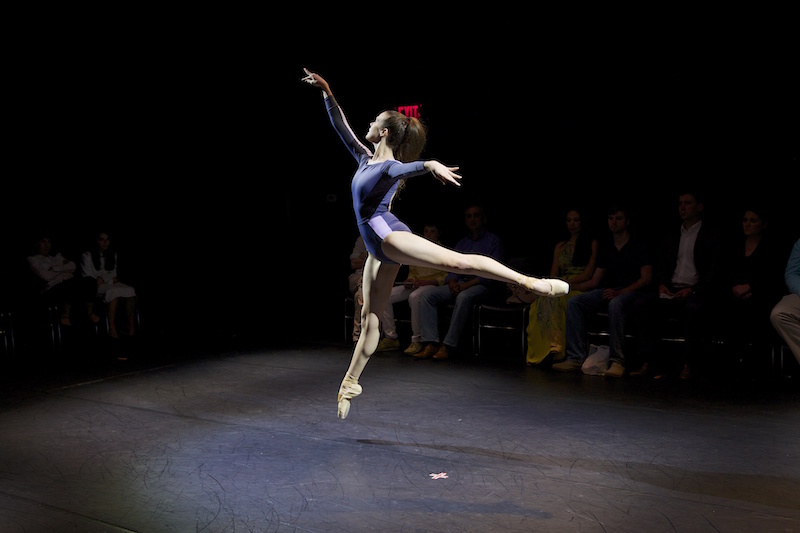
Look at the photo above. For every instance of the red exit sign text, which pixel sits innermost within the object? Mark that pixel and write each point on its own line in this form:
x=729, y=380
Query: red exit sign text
x=410, y=110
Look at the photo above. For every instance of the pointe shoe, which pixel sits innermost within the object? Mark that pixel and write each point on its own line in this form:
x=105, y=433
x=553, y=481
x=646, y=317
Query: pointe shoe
x=548, y=287
x=348, y=390
x=557, y=287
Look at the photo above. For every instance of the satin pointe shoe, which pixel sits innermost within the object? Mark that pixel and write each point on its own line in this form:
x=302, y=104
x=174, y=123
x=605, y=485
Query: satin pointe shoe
x=549, y=287
x=558, y=287
x=349, y=390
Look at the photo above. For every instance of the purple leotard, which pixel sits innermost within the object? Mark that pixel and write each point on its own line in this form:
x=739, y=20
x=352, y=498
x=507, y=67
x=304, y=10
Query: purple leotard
x=373, y=186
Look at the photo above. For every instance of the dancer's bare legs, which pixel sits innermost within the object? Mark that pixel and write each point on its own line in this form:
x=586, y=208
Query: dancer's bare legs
x=410, y=249
x=378, y=280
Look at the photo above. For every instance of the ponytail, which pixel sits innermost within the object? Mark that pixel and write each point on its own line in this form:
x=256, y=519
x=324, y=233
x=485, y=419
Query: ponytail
x=407, y=136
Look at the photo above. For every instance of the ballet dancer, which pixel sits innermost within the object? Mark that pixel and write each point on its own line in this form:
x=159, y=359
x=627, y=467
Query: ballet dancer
x=397, y=142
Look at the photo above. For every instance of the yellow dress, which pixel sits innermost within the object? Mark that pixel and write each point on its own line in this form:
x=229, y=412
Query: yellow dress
x=547, y=320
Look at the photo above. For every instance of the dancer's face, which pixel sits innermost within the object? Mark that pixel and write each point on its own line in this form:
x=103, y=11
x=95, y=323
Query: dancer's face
x=377, y=128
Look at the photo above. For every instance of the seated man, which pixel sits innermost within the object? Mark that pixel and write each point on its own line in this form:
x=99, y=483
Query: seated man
x=687, y=278
x=461, y=290
x=624, y=272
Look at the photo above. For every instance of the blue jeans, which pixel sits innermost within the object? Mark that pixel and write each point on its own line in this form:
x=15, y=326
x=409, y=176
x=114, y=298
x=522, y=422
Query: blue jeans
x=429, y=311
x=619, y=310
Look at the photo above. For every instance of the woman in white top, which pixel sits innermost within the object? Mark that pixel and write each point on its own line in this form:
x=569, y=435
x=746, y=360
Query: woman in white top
x=101, y=263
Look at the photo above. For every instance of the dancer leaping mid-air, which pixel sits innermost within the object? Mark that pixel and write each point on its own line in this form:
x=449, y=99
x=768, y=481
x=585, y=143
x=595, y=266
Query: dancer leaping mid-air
x=397, y=141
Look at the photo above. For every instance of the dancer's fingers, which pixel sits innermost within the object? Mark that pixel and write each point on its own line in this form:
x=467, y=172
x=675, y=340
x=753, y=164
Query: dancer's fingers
x=444, y=177
x=453, y=177
x=309, y=77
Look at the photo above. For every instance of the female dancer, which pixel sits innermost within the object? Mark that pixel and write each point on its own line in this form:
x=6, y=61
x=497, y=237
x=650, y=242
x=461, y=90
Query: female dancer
x=397, y=142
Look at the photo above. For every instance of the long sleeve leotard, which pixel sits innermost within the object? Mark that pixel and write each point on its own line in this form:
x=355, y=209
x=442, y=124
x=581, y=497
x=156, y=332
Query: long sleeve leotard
x=372, y=186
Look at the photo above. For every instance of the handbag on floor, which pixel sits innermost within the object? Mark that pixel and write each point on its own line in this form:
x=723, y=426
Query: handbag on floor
x=597, y=362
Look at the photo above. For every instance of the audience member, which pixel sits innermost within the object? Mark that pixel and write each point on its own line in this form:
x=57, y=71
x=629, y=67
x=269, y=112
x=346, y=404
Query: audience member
x=57, y=283
x=574, y=260
x=100, y=265
x=420, y=280
x=464, y=291
x=357, y=259
x=618, y=286
x=785, y=316
x=687, y=275
x=752, y=284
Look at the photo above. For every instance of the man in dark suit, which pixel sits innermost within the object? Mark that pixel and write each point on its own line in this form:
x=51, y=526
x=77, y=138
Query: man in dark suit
x=687, y=274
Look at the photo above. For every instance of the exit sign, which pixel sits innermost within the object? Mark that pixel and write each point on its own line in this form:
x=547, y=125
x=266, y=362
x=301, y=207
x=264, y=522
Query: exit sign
x=410, y=110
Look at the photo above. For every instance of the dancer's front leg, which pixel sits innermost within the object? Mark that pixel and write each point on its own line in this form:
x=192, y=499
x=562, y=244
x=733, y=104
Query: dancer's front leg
x=412, y=249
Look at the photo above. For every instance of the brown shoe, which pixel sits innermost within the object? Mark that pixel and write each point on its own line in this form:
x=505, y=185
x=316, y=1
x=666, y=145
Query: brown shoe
x=426, y=352
x=441, y=353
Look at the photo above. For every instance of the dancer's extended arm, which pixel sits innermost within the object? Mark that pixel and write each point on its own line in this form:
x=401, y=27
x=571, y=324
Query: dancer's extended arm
x=441, y=172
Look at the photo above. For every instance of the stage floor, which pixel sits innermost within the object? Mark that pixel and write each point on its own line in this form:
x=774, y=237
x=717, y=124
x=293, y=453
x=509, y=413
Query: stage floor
x=248, y=440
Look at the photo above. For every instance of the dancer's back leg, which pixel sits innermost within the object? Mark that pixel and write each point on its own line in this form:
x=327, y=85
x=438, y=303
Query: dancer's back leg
x=377, y=285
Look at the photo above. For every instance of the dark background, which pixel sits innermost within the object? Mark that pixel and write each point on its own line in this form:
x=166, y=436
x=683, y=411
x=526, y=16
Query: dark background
x=227, y=191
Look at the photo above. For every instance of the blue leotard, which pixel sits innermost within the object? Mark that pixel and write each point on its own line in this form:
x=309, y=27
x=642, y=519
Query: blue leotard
x=373, y=185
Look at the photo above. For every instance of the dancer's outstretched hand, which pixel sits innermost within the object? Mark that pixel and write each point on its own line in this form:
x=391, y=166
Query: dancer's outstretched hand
x=443, y=173
x=315, y=80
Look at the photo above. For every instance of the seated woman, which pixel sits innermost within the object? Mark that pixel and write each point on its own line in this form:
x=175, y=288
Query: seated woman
x=752, y=285
x=100, y=263
x=574, y=260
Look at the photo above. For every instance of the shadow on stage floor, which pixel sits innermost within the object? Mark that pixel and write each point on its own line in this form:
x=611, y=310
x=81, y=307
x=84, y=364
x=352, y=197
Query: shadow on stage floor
x=176, y=440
